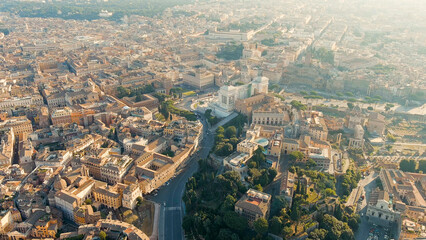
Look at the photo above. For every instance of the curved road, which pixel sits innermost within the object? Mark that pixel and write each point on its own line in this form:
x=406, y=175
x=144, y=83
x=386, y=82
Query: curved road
x=170, y=196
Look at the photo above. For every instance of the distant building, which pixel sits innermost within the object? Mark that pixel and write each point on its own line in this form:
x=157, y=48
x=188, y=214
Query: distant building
x=376, y=124
x=402, y=186
x=115, y=168
x=228, y=95
x=230, y=36
x=200, y=79
x=35, y=100
x=237, y=162
x=154, y=170
x=52, y=158
x=353, y=118
x=45, y=228
x=357, y=142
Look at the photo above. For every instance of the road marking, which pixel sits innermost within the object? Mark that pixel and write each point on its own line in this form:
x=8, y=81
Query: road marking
x=172, y=208
x=162, y=237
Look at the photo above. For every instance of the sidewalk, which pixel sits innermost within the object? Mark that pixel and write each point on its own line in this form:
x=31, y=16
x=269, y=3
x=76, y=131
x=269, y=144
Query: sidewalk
x=154, y=235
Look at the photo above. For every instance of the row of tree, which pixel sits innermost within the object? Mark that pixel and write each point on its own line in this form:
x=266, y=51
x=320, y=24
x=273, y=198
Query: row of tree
x=411, y=166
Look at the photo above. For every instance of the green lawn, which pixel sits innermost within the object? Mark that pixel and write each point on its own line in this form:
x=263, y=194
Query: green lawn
x=160, y=117
x=312, y=197
x=189, y=93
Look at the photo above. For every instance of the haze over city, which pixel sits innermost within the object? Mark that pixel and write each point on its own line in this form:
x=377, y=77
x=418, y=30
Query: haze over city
x=212, y=119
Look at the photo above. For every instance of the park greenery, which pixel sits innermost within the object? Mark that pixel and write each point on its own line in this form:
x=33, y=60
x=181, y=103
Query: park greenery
x=270, y=42
x=324, y=55
x=167, y=107
x=279, y=96
x=259, y=175
x=244, y=26
x=411, y=166
x=391, y=137
x=311, y=95
x=231, y=51
x=161, y=97
x=89, y=10
x=238, y=122
x=225, y=140
x=382, y=69
x=348, y=181
x=131, y=92
x=210, y=197
x=209, y=201
x=210, y=118
x=298, y=105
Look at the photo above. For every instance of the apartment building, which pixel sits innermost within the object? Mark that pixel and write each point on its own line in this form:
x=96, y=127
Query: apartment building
x=115, y=168
x=253, y=205
x=76, y=193
x=21, y=126
x=61, y=116
x=290, y=145
x=52, y=158
x=110, y=196
x=154, y=170
x=45, y=228
x=403, y=186
x=85, y=215
x=7, y=141
x=35, y=100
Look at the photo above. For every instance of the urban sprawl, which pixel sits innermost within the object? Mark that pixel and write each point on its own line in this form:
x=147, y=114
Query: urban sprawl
x=214, y=120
